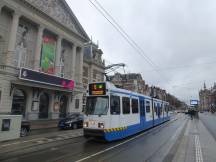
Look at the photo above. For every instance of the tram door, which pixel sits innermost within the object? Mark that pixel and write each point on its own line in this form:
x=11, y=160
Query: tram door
x=142, y=110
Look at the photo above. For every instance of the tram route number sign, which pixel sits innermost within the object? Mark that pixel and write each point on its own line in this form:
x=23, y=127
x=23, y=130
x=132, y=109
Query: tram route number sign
x=97, y=89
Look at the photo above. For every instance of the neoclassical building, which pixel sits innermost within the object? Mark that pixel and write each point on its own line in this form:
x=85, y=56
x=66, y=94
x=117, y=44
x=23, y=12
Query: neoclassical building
x=135, y=82
x=207, y=97
x=41, y=59
x=93, y=66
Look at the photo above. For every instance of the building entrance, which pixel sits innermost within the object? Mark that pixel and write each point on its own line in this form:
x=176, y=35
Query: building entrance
x=44, y=106
x=19, y=103
x=63, y=106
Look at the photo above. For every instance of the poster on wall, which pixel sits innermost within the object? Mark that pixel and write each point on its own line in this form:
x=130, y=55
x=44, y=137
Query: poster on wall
x=48, y=54
x=56, y=107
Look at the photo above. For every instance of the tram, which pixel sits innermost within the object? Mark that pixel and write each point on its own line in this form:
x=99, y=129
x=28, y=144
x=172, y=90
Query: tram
x=112, y=113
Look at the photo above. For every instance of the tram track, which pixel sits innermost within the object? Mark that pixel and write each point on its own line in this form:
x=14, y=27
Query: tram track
x=34, y=149
x=166, y=144
x=122, y=142
x=56, y=146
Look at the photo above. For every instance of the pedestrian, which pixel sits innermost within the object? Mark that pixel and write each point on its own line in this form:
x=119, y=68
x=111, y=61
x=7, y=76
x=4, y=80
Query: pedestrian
x=191, y=114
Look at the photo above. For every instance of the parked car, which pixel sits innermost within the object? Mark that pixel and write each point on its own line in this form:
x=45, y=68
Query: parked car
x=73, y=121
x=25, y=128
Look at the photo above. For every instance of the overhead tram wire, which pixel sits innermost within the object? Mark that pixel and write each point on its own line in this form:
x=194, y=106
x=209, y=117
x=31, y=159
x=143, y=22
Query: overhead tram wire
x=128, y=39
x=123, y=33
x=128, y=36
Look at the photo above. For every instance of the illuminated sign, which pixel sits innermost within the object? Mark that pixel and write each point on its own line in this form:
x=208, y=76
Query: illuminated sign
x=194, y=102
x=97, y=89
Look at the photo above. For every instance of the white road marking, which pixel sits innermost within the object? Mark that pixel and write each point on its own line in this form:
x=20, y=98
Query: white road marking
x=58, y=138
x=133, y=138
x=20, y=142
x=199, y=156
x=54, y=148
x=40, y=141
x=188, y=128
x=177, y=132
x=50, y=140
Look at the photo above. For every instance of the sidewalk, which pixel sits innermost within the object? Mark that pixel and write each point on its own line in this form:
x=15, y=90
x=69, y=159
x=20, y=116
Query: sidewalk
x=197, y=144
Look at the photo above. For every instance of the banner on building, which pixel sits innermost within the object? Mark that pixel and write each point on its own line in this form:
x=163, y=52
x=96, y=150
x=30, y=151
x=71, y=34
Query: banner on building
x=48, y=55
x=43, y=78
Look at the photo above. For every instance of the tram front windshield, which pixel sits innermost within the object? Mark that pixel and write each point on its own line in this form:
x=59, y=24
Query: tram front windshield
x=97, y=105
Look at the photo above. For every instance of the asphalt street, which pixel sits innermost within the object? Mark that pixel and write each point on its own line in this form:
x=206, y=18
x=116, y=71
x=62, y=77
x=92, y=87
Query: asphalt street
x=180, y=139
x=209, y=121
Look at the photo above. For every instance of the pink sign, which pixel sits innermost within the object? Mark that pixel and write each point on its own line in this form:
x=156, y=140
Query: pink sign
x=69, y=85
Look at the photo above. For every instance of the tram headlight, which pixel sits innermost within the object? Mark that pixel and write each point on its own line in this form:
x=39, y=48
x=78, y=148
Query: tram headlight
x=85, y=124
x=101, y=125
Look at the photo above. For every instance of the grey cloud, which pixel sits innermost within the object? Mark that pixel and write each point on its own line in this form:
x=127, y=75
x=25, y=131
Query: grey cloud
x=172, y=33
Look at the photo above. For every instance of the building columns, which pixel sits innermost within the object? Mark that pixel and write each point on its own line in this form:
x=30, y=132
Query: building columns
x=58, y=56
x=1, y=6
x=12, y=38
x=74, y=51
x=81, y=65
x=38, y=48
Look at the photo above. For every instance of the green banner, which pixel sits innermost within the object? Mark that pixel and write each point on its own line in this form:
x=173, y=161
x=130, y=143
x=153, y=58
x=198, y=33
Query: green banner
x=48, y=55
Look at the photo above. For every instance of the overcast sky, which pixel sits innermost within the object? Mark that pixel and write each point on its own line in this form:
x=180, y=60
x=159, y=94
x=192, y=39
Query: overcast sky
x=179, y=36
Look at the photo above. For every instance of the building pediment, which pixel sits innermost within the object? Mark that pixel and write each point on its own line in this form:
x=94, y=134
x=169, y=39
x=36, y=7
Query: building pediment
x=61, y=12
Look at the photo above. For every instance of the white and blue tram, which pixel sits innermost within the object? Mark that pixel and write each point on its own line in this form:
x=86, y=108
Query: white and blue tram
x=113, y=113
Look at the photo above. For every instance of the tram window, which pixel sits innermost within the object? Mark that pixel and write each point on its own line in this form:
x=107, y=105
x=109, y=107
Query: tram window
x=97, y=105
x=126, y=105
x=114, y=105
x=147, y=107
x=134, y=106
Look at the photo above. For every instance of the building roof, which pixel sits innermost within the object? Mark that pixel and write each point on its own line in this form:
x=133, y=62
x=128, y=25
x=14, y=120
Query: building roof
x=60, y=12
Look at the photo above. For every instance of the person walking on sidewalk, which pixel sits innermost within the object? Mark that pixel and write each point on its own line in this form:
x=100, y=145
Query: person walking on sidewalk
x=191, y=113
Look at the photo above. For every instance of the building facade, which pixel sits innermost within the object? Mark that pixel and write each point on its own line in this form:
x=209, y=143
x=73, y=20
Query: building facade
x=207, y=98
x=134, y=82
x=93, y=66
x=41, y=59
x=131, y=81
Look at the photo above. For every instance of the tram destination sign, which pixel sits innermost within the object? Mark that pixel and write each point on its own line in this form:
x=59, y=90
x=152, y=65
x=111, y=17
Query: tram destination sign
x=43, y=78
x=97, y=89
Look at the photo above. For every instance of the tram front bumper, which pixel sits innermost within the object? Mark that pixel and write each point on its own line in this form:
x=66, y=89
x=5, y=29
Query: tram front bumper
x=93, y=132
